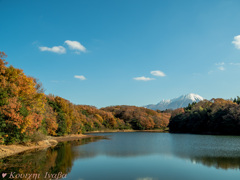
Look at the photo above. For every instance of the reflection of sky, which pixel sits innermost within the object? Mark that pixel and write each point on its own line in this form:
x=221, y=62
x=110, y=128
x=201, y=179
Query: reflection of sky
x=128, y=144
x=182, y=145
x=153, y=167
x=186, y=145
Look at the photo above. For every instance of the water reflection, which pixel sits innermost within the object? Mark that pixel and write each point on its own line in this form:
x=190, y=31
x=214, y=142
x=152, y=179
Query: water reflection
x=51, y=160
x=220, y=152
x=218, y=162
x=216, y=151
x=129, y=145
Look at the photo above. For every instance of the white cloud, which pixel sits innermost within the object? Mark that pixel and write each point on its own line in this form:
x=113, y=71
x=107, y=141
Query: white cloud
x=80, y=77
x=236, y=41
x=143, y=78
x=220, y=64
x=221, y=68
x=75, y=45
x=145, y=178
x=210, y=72
x=235, y=64
x=55, y=49
x=158, y=73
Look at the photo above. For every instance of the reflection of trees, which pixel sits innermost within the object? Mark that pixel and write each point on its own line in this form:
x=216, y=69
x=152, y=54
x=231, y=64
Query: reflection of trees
x=51, y=160
x=218, y=162
x=33, y=162
x=194, y=148
x=220, y=152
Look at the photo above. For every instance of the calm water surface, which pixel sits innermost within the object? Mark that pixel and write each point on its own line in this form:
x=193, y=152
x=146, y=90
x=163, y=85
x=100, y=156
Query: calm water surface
x=136, y=156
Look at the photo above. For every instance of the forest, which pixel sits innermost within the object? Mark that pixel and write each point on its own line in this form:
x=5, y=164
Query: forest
x=217, y=116
x=27, y=114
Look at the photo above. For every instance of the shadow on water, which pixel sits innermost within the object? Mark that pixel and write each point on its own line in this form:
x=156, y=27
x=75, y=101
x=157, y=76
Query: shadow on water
x=52, y=160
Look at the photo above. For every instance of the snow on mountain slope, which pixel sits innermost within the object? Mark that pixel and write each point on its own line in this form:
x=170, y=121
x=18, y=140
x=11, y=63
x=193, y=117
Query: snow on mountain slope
x=175, y=103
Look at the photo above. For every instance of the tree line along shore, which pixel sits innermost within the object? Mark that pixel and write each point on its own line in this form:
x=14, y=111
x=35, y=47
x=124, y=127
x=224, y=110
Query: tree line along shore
x=27, y=114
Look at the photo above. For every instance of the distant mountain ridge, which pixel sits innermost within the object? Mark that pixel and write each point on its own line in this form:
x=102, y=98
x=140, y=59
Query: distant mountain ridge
x=175, y=103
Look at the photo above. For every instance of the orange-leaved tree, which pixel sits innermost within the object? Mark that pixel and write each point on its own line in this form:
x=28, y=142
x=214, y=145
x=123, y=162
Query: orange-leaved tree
x=21, y=105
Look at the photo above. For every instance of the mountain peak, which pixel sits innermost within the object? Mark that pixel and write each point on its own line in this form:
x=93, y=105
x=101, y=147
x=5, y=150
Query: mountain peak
x=175, y=103
x=192, y=96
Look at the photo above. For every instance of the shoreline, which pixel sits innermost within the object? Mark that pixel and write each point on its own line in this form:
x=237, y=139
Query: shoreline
x=127, y=130
x=10, y=150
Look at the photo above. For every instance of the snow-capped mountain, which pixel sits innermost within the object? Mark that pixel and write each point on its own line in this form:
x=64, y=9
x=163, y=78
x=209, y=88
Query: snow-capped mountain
x=175, y=103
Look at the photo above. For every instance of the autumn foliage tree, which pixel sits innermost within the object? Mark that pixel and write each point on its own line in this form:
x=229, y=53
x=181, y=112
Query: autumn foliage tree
x=140, y=118
x=21, y=105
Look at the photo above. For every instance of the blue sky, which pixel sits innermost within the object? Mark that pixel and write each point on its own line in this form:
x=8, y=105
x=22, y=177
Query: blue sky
x=129, y=52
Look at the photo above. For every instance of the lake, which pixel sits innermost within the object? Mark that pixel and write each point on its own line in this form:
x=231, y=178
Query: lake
x=135, y=156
